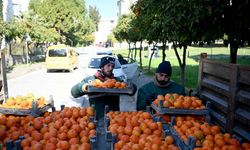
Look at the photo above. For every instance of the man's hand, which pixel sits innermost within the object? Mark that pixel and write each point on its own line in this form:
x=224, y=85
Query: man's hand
x=85, y=87
x=150, y=98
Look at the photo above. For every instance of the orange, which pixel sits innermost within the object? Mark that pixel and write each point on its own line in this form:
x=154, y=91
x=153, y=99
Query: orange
x=160, y=97
x=169, y=140
x=219, y=142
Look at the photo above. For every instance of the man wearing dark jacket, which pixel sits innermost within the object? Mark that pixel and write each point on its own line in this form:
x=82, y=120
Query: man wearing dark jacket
x=161, y=85
x=106, y=72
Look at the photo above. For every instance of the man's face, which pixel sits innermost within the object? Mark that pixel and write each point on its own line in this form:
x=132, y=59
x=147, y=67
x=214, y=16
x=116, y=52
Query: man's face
x=162, y=78
x=108, y=69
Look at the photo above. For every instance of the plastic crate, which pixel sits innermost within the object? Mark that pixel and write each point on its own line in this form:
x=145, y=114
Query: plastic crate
x=34, y=111
x=177, y=140
x=128, y=90
x=14, y=145
x=173, y=111
x=111, y=139
x=191, y=142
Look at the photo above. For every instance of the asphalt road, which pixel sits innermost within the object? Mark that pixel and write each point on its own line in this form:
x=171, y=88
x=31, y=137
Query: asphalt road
x=41, y=83
x=58, y=84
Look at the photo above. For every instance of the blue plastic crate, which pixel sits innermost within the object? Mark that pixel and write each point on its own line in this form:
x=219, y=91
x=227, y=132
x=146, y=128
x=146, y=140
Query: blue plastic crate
x=14, y=145
x=173, y=111
x=34, y=111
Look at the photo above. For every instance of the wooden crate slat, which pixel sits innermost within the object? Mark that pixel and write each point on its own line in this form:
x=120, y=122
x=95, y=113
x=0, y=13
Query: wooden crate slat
x=222, y=71
x=243, y=116
x=244, y=74
x=215, y=86
x=220, y=118
x=216, y=101
x=244, y=97
x=242, y=132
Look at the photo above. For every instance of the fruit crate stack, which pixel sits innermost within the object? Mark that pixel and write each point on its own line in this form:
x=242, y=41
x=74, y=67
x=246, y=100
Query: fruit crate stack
x=190, y=124
x=174, y=104
x=137, y=130
x=111, y=86
x=26, y=105
x=69, y=128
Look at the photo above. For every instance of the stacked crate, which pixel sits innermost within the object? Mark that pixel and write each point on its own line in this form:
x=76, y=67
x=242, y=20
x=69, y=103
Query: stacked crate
x=227, y=88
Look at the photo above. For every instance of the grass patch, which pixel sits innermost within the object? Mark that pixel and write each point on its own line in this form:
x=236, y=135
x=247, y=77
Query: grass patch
x=221, y=54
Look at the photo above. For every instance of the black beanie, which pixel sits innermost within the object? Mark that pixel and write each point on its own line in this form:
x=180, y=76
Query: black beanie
x=106, y=60
x=164, y=67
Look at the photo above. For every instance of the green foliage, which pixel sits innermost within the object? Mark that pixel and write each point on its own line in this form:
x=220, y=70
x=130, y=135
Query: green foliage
x=67, y=18
x=236, y=21
x=94, y=15
x=121, y=31
x=37, y=28
x=111, y=38
x=13, y=30
x=2, y=27
x=1, y=9
x=180, y=20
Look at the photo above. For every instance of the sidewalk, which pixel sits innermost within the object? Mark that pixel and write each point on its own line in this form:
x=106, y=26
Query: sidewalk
x=23, y=69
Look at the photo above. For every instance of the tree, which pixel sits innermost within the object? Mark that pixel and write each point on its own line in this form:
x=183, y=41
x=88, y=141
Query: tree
x=90, y=38
x=94, y=15
x=236, y=24
x=181, y=22
x=111, y=39
x=37, y=28
x=11, y=32
x=68, y=18
x=121, y=30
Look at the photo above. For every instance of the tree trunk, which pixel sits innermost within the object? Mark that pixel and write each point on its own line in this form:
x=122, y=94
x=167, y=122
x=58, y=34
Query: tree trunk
x=150, y=60
x=233, y=52
x=163, y=51
x=140, y=54
x=135, y=51
x=129, y=50
x=182, y=64
x=132, y=53
x=10, y=48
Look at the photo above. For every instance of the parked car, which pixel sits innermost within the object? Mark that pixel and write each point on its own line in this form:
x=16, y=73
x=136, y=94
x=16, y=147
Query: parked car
x=94, y=64
x=61, y=57
x=104, y=52
x=129, y=66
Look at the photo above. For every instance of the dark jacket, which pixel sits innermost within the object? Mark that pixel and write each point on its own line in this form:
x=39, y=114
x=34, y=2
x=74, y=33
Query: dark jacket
x=150, y=89
x=99, y=103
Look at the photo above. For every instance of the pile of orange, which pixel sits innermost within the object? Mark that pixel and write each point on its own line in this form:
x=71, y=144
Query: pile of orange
x=207, y=136
x=136, y=131
x=179, y=101
x=110, y=83
x=23, y=102
x=67, y=129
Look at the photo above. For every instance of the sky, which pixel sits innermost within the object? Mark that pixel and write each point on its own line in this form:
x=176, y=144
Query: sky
x=107, y=8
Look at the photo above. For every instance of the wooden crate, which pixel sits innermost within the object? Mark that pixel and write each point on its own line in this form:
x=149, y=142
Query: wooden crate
x=3, y=78
x=227, y=88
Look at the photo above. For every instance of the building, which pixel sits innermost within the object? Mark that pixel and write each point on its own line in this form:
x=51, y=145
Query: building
x=13, y=8
x=105, y=27
x=124, y=6
x=20, y=6
x=8, y=11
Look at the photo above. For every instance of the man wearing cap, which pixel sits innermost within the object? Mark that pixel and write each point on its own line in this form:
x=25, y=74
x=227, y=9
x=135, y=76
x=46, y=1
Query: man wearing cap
x=161, y=85
x=106, y=72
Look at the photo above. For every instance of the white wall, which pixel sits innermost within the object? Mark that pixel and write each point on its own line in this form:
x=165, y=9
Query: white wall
x=20, y=6
x=124, y=6
x=105, y=27
x=7, y=10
